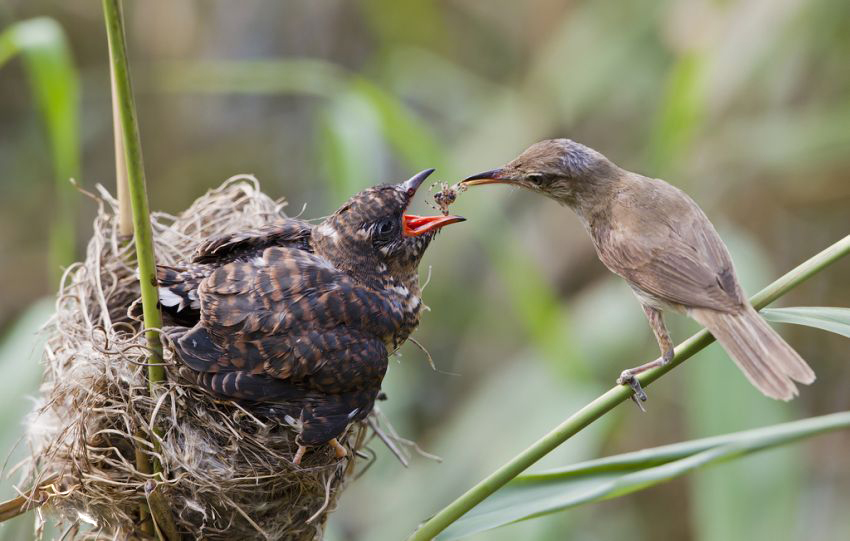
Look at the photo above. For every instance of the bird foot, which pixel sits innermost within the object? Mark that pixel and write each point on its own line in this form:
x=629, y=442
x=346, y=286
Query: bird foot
x=627, y=377
x=339, y=451
x=299, y=454
x=338, y=448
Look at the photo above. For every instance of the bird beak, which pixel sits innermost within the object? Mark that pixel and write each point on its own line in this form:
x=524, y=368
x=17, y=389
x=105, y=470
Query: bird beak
x=415, y=181
x=494, y=176
x=413, y=225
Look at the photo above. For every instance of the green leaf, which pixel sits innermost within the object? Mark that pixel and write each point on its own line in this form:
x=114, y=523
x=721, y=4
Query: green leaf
x=405, y=131
x=44, y=49
x=827, y=318
x=681, y=114
x=20, y=352
x=534, y=495
x=350, y=145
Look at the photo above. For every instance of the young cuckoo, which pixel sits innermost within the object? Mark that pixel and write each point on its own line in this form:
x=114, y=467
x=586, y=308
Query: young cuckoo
x=299, y=319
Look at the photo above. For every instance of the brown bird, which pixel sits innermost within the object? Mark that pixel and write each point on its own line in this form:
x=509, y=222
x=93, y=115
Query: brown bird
x=299, y=320
x=655, y=237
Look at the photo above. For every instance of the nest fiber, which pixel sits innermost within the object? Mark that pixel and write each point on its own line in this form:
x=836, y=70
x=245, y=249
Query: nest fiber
x=227, y=473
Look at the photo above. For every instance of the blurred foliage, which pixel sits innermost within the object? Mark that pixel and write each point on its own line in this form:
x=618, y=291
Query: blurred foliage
x=20, y=350
x=54, y=81
x=828, y=318
x=743, y=104
x=535, y=495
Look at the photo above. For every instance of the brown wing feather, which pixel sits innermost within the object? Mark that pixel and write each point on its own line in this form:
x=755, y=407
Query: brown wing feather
x=290, y=315
x=677, y=257
x=227, y=247
x=336, y=394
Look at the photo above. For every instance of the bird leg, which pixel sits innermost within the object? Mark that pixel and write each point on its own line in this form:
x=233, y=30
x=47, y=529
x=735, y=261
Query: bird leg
x=338, y=448
x=299, y=454
x=627, y=377
x=339, y=451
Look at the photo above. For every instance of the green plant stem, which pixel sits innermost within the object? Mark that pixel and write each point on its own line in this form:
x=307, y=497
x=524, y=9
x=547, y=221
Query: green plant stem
x=143, y=235
x=614, y=396
x=138, y=194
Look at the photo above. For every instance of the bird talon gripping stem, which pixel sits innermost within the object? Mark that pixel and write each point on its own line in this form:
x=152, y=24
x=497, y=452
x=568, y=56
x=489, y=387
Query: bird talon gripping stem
x=638, y=403
x=628, y=378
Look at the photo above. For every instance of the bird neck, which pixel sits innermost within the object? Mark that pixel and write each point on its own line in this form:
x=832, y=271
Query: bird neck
x=405, y=278
x=591, y=196
x=363, y=270
x=378, y=275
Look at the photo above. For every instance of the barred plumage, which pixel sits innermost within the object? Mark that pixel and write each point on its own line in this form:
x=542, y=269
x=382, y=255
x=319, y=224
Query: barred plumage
x=299, y=320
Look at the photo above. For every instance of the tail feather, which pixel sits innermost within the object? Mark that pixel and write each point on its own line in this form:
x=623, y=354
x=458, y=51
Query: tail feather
x=178, y=294
x=767, y=361
x=178, y=286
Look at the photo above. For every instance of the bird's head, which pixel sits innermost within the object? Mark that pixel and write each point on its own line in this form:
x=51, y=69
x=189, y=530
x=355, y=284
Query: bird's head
x=372, y=230
x=558, y=168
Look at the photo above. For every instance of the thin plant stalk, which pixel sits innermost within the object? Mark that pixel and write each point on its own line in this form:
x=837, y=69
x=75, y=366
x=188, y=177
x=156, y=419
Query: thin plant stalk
x=122, y=185
x=614, y=396
x=137, y=192
x=131, y=152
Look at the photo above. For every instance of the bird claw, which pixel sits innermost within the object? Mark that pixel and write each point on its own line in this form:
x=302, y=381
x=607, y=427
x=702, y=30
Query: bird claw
x=638, y=394
x=339, y=451
x=299, y=454
x=638, y=403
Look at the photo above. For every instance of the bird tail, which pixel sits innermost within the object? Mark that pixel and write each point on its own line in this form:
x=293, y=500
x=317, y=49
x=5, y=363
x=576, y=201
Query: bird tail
x=766, y=359
x=178, y=293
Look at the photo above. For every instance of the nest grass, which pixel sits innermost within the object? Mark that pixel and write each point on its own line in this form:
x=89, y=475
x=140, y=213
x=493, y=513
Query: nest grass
x=227, y=473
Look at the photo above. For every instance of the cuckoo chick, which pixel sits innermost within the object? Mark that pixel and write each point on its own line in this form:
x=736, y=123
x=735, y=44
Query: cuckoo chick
x=299, y=319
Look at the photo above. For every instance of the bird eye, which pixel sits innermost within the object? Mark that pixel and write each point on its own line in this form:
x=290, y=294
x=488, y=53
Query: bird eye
x=385, y=227
x=536, y=178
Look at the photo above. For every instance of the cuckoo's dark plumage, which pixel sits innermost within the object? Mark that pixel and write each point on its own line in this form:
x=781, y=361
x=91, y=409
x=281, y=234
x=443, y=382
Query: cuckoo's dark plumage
x=299, y=319
x=655, y=237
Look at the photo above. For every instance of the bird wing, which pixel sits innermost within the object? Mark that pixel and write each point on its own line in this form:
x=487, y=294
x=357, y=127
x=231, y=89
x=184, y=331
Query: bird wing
x=290, y=315
x=229, y=246
x=661, y=242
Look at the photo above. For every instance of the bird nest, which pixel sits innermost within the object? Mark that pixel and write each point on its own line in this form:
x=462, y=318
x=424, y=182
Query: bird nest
x=227, y=473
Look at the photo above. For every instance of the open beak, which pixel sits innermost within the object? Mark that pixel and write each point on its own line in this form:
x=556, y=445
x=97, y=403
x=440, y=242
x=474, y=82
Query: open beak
x=413, y=225
x=412, y=184
x=494, y=176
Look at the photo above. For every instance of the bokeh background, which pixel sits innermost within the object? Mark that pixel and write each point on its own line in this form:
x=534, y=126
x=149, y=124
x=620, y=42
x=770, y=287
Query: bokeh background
x=744, y=104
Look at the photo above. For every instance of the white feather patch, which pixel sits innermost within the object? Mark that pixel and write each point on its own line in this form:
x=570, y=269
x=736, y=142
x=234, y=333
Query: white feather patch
x=327, y=230
x=401, y=290
x=168, y=297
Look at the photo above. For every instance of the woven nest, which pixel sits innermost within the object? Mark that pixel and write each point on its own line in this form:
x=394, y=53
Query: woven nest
x=227, y=473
